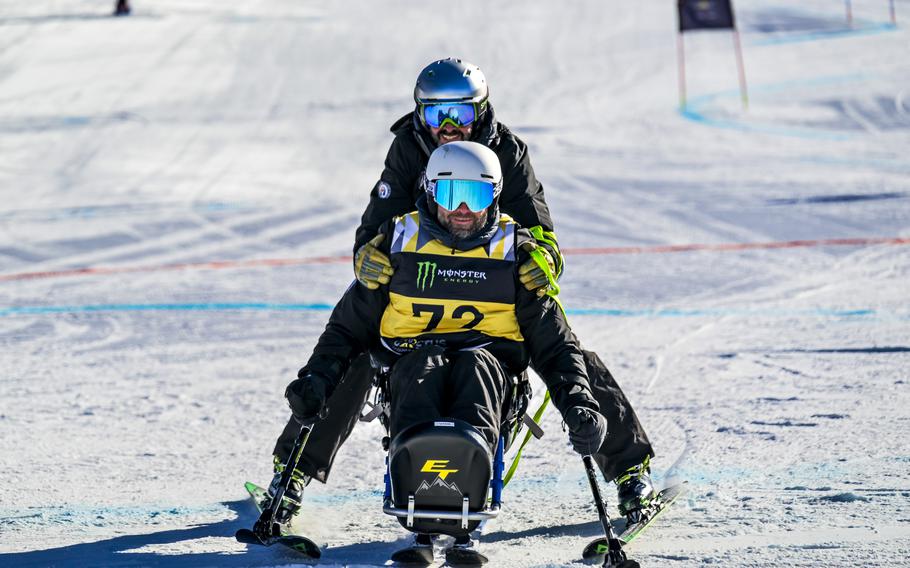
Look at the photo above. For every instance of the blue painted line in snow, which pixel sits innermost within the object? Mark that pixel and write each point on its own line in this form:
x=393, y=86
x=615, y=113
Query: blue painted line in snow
x=607, y=312
x=336, y=498
x=97, y=516
x=700, y=117
x=859, y=29
x=696, y=110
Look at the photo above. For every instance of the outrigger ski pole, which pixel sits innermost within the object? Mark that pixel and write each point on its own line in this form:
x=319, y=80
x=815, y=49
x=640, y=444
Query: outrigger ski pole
x=615, y=556
x=266, y=529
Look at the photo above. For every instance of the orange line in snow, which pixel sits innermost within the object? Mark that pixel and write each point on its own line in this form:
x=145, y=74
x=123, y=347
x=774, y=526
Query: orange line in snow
x=271, y=262
x=214, y=265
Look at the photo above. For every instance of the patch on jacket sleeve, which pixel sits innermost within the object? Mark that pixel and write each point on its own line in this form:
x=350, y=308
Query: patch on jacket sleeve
x=383, y=190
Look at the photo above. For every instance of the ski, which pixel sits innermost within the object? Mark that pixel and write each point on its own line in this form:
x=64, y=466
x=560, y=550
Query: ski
x=627, y=532
x=423, y=556
x=259, y=494
x=457, y=556
x=298, y=543
x=413, y=556
x=664, y=499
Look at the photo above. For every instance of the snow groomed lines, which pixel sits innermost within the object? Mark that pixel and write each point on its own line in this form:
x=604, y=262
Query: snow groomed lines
x=120, y=210
x=864, y=313
x=278, y=262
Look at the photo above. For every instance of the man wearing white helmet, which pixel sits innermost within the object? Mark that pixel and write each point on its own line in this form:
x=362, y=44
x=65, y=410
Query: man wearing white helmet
x=454, y=324
x=452, y=105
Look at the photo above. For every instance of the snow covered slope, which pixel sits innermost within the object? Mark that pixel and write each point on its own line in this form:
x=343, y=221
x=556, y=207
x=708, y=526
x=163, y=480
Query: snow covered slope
x=178, y=196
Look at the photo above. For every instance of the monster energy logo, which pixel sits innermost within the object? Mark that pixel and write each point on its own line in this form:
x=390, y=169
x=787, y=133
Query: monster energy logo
x=425, y=269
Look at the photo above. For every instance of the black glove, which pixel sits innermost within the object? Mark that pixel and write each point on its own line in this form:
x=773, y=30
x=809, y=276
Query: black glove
x=306, y=397
x=587, y=429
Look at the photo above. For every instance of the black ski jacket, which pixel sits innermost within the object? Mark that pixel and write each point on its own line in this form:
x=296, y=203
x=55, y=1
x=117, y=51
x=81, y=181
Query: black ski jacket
x=401, y=182
x=550, y=344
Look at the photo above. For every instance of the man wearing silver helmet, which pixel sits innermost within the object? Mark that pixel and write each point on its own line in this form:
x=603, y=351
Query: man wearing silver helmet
x=452, y=104
x=452, y=98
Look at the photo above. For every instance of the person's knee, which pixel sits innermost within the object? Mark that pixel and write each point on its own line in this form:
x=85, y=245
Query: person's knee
x=474, y=360
x=361, y=364
x=480, y=375
x=358, y=377
x=417, y=364
x=481, y=365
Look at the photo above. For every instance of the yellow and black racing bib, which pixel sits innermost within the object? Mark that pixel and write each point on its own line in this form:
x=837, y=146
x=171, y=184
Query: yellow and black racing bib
x=441, y=295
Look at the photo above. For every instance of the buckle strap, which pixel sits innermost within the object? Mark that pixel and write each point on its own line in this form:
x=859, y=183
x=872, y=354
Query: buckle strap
x=634, y=471
x=297, y=475
x=533, y=426
x=376, y=410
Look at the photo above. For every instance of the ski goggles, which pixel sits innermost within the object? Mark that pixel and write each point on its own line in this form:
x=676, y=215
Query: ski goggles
x=456, y=114
x=451, y=193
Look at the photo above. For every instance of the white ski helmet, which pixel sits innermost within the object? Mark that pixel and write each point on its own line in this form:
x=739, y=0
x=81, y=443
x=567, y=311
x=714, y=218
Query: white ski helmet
x=464, y=172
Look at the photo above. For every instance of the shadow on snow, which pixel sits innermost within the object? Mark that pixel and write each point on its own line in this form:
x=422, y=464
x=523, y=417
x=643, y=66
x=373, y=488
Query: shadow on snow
x=123, y=550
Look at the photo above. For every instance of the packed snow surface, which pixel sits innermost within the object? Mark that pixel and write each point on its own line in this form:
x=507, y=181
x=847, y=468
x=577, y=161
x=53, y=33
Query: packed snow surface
x=180, y=190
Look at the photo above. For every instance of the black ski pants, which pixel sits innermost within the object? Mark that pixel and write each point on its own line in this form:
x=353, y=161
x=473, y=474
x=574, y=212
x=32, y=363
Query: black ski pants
x=626, y=444
x=429, y=384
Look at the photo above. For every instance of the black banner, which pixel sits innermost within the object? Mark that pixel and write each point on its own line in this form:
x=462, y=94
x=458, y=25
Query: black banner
x=705, y=15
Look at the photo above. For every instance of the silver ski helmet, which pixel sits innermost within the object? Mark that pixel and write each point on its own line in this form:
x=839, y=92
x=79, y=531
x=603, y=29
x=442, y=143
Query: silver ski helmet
x=464, y=172
x=450, y=90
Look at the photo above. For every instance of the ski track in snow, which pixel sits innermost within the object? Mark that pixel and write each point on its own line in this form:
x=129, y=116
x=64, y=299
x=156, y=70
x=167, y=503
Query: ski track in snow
x=201, y=167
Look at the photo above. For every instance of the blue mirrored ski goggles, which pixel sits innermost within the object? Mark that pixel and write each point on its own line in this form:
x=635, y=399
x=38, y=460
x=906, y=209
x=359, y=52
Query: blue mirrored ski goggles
x=456, y=114
x=451, y=193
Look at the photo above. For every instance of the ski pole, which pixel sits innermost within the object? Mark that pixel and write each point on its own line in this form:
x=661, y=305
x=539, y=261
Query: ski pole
x=615, y=556
x=266, y=528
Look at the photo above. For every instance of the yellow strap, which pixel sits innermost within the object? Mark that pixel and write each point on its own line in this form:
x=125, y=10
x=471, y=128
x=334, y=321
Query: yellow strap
x=514, y=466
